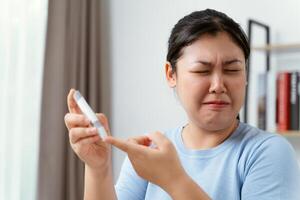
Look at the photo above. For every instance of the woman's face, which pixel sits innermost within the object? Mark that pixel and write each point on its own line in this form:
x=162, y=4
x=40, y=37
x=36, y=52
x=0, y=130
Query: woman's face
x=210, y=81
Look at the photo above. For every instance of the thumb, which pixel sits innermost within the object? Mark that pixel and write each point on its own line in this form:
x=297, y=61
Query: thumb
x=159, y=139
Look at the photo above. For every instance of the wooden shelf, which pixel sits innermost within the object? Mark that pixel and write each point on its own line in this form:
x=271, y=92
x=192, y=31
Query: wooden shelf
x=278, y=47
x=290, y=134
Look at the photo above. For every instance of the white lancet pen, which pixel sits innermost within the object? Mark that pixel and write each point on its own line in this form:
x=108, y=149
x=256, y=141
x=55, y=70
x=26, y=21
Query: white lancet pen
x=89, y=113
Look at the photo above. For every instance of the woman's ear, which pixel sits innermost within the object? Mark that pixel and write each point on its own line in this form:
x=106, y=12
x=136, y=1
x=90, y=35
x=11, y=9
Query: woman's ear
x=170, y=75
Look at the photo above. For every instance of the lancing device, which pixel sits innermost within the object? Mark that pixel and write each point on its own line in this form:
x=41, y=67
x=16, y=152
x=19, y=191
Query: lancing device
x=89, y=113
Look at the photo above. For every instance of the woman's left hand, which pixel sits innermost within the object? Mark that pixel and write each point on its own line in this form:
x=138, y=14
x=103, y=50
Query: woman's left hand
x=158, y=164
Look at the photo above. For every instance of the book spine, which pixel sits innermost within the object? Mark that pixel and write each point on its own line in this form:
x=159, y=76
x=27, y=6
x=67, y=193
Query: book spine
x=271, y=101
x=277, y=94
x=294, y=102
x=283, y=101
x=262, y=84
x=298, y=98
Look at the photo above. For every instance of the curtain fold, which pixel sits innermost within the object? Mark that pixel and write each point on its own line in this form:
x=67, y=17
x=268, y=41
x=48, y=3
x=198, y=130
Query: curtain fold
x=72, y=60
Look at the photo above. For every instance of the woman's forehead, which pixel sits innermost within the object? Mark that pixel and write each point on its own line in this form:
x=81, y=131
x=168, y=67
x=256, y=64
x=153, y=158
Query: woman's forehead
x=219, y=40
x=205, y=50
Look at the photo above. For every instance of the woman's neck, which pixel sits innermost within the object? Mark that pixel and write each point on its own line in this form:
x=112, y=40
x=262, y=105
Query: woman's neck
x=195, y=137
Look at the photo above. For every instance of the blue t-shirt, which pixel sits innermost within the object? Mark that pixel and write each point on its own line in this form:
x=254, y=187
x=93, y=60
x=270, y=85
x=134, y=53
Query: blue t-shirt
x=250, y=164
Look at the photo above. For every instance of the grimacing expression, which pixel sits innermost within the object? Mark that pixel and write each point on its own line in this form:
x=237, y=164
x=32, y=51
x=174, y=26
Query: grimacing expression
x=210, y=81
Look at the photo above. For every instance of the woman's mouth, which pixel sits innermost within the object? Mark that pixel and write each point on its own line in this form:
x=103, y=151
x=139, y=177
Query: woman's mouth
x=217, y=104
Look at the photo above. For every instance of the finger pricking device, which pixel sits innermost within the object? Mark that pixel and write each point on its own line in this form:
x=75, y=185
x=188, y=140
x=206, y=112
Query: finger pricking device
x=89, y=113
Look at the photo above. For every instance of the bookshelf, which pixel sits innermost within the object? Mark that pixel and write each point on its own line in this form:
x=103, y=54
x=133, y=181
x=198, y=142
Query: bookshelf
x=277, y=47
x=267, y=49
x=290, y=134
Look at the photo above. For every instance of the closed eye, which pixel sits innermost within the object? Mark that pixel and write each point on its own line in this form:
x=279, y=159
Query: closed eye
x=232, y=70
x=201, y=72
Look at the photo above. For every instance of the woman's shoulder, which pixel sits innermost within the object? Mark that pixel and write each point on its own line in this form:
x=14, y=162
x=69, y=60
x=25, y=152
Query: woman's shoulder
x=267, y=159
x=256, y=143
x=252, y=135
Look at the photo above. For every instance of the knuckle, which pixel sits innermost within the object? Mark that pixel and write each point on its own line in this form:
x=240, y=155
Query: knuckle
x=157, y=133
x=67, y=118
x=168, y=144
x=71, y=132
x=82, y=119
x=71, y=135
x=130, y=139
x=74, y=135
x=133, y=140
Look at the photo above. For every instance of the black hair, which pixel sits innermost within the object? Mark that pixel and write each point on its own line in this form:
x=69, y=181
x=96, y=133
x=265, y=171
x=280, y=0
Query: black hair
x=192, y=26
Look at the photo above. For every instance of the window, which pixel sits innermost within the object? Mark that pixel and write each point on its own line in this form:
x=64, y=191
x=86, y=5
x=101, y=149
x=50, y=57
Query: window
x=22, y=40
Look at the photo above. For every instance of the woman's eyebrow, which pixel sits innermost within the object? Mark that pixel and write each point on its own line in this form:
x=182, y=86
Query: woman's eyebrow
x=207, y=63
x=203, y=62
x=232, y=61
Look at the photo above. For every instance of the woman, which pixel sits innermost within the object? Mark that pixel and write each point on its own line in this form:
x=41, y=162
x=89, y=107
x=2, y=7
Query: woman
x=214, y=156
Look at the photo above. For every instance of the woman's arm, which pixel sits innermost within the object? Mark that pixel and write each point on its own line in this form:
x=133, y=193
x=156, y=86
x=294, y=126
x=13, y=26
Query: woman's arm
x=185, y=188
x=99, y=185
x=91, y=149
x=159, y=165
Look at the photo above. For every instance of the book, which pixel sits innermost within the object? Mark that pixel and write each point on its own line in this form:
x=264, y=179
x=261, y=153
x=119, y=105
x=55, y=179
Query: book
x=294, y=101
x=271, y=102
x=283, y=94
x=262, y=95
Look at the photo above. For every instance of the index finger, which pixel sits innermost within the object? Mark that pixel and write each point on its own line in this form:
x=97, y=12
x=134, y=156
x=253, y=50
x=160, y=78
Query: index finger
x=72, y=105
x=124, y=145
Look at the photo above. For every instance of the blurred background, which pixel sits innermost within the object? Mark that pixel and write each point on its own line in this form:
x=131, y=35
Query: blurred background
x=113, y=51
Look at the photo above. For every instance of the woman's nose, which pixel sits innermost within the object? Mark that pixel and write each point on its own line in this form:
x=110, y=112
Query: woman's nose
x=217, y=84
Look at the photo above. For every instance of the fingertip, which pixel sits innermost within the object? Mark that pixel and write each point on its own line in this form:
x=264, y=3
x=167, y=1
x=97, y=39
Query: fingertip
x=71, y=91
x=104, y=121
x=118, y=143
x=101, y=117
x=72, y=105
x=107, y=139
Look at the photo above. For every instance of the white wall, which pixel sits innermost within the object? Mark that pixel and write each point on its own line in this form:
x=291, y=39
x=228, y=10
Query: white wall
x=134, y=44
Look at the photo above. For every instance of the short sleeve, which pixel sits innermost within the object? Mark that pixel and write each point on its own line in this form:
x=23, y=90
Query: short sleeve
x=272, y=172
x=130, y=185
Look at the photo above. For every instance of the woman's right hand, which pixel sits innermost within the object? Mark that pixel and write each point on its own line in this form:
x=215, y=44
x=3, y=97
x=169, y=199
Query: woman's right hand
x=84, y=138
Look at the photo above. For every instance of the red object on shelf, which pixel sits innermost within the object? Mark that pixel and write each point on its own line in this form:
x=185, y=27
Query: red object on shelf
x=283, y=95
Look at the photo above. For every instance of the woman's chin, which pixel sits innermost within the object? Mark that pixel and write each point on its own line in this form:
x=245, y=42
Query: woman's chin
x=216, y=125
